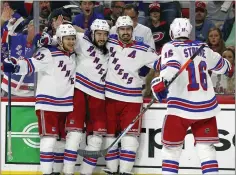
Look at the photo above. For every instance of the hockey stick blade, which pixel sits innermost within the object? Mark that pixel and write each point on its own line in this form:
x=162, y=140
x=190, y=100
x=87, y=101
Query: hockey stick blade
x=93, y=154
x=102, y=153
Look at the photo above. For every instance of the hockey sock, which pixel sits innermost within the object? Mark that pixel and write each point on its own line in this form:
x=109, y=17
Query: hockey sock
x=112, y=158
x=170, y=167
x=46, y=154
x=210, y=167
x=73, y=139
x=207, y=155
x=88, y=164
x=58, y=156
x=129, y=146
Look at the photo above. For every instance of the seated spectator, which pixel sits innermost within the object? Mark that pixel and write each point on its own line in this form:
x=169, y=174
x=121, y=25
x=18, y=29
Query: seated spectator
x=219, y=11
x=226, y=84
x=84, y=20
x=116, y=11
x=160, y=29
x=202, y=24
x=215, y=40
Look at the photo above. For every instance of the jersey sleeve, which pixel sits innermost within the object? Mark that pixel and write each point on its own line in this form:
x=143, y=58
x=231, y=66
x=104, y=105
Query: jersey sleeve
x=170, y=62
x=153, y=60
x=40, y=62
x=218, y=64
x=79, y=42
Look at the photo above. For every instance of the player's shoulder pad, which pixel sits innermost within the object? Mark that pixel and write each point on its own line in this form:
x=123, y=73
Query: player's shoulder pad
x=47, y=51
x=51, y=48
x=113, y=39
x=79, y=35
x=141, y=46
x=199, y=43
x=168, y=45
x=113, y=36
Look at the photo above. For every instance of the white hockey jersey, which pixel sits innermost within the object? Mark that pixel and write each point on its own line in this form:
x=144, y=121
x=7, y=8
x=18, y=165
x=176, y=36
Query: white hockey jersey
x=191, y=95
x=123, y=82
x=91, y=67
x=55, y=80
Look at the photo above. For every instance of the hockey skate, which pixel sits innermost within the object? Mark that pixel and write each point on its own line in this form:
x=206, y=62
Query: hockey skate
x=127, y=173
x=108, y=171
x=55, y=173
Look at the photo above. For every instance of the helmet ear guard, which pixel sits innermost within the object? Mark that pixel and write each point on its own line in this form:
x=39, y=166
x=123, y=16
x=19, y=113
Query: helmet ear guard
x=180, y=27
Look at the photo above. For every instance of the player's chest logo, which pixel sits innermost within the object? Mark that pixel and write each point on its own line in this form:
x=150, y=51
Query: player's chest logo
x=139, y=39
x=158, y=36
x=118, y=66
x=96, y=60
x=64, y=68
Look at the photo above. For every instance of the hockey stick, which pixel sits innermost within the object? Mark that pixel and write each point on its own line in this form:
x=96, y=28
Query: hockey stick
x=102, y=153
x=9, y=148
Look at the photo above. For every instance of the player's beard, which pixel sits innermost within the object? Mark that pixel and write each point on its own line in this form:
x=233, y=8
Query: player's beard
x=100, y=45
x=126, y=38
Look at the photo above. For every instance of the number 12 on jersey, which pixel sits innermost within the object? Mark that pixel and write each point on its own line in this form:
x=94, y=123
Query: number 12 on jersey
x=192, y=72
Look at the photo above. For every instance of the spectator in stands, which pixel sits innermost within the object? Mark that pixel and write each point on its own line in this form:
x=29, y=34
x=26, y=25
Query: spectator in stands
x=202, y=24
x=228, y=30
x=12, y=15
x=160, y=29
x=44, y=10
x=226, y=84
x=84, y=20
x=12, y=20
x=141, y=33
x=170, y=10
x=116, y=11
x=57, y=17
x=229, y=54
x=219, y=11
x=160, y=32
x=215, y=40
x=22, y=46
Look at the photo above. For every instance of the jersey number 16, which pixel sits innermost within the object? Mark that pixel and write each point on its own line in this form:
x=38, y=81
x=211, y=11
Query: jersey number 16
x=193, y=84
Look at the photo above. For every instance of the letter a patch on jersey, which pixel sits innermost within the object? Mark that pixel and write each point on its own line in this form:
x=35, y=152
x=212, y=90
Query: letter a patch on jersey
x=132, y=54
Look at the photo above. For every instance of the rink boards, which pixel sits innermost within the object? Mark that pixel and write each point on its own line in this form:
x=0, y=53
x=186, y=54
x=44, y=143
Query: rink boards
x=25, y=142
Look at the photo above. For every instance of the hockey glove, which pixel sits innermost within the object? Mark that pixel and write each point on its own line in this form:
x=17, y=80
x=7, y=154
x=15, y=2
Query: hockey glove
x=44, y=40
x=10, y=65
x=159, y=90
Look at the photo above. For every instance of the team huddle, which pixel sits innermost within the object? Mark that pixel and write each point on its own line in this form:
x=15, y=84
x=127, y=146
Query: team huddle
x=90, y=82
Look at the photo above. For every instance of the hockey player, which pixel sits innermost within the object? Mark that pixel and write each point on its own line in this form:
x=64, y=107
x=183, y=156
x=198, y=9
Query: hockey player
x=191, y=101
x=89, y=98
x=54, y=94
x=123, y=93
